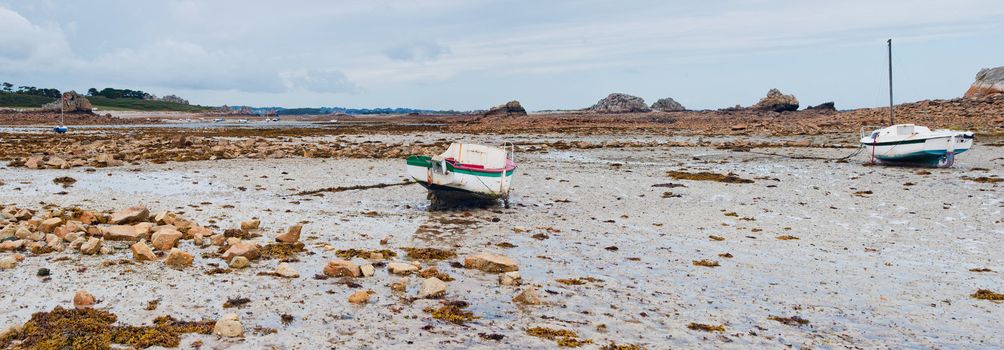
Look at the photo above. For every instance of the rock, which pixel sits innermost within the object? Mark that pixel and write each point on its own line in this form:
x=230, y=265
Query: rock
x=8, y=262
x=529, y=296
x=77, y=243
x=142, y=252
x=24, y=233
x=218, y=239
x=508, y=109
x=360, y=297
x=91, y=246
x=34, y=162
x=83, y=300
x=228, y=326
x=620, y=103
x=342, y=268
x=777, y=102
x=165, y=239
x=493, y=263
x=989, y=82
x=667, y=105
x=130, y=215
x=511, y=278
x=246, y=249
x=239, y=262
x=70, y=103
x=250, y=224
x=8, y=231
x=400, y=268
x=291, y=236
x=284, y=270
x=48, y=225
x=400, y=286
x=739, y=127
x=432, y=287
x=165, y=218
x=177, y=258
x=58, y=163
x=367, y=270
x=120, y=233
x=823, y=107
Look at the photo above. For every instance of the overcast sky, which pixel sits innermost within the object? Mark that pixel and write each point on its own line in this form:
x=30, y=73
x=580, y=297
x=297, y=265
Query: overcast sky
x=469, y=54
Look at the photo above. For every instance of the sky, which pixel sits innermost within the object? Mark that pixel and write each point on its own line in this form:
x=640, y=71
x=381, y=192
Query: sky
x=473, y=54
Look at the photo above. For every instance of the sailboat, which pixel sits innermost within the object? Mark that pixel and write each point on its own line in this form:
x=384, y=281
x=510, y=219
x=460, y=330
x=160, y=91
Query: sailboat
x=909, y=144
x=465, y=171
x=61, y=129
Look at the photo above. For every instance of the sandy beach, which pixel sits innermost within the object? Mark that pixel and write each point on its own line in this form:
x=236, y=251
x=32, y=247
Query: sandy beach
x=866, y=256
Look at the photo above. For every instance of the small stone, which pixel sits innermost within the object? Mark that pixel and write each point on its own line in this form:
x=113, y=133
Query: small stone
x=239, y=262
x=527, y=297
x=229, y=326
x=25, y=233
x=91, y=246
x=367, y=270
x=165, y=239
x=120, y=233
x=8, y=262
x=400, y=286
x=83, y=300
x=48, y=225
x=400, y=268
x=130, y=215
x=511, y=278
x=165, y=218
x=43, y=272
x=360, y=297
x=376, y=256
x=432, y=287
x=142, y=252
x=284, y=270
x=342, y=268
x=252, y=224
x=291, y=236
x=246, y=249
x=177, y=258
x=218, y=239
x=493, y=263
x=77, y=243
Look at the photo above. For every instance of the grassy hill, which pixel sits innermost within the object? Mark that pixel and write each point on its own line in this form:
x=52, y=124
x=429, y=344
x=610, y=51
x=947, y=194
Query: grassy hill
x=102, y=103
x=23, y=101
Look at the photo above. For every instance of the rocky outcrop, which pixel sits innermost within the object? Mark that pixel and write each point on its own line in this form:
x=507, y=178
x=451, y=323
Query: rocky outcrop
x=508, y=109
x=823, y=107
x=668, y=104
x=777, y=102
x=989, y=82
x=72, y=102
x=621, y=103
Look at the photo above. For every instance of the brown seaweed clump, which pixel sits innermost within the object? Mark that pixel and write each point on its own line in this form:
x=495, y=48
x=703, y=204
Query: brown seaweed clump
x=705, y=327
x=716, y=238
x=706, y=263
x=791, y=321
x=429, y=253
x=578, y=281
x=984, y=179
x=615, y=346
x=452, y=312
x=787, y=238
x=987, y=294
x=362, y=253
x=282, y=251
x=93, y=329
x=563, y=337
x=981, y=269
x=708, y=176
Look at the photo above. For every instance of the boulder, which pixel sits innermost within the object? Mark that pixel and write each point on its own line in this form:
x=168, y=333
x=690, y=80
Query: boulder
x=400, y=268
x=24, y=233
x=620, y=103
x=668, y=104
x=142, y=252
x=246, y=249
x=83, y=300
x=58, y=163
x=823, y=107
x=342, y=268
x=228, y=326
x=989, y=82
x=121, y=233
x=508, y=109
x=528, y=296
x=34, y=162
x=360, y=297
x=777, y=102
x=165, y=218
x=71, y=102
x=130, y=215
x=291, y=236
x=48, y=225
x=178, y=258
x=91, y=246
x=432, y=287
x=493, y=263
x=165, y=239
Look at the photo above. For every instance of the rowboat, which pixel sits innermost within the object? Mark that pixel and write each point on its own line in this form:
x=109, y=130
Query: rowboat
x=465, y=171
x=910, y=144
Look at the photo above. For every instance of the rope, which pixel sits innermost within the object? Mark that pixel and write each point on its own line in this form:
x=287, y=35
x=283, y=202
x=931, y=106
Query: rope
x=852, y=155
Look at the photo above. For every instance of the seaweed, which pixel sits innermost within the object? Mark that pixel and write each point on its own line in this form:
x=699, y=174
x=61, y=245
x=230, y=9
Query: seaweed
x=986, y=294
x=705, y=263
x=282, y=251
x=716, y=238
x=434, y=272
x=578, y=281
x=429, y=253
x=980, y=270
x=94, y=329
x=705, y=327
x=984, y=179
x=787, y=238
x=452, y=313
x=236, y=302
x=791, y=321
x=726, y=255
x=563, y=337
x=708, y=176
x=505, y=245
x=362, y=253
x=615, y=346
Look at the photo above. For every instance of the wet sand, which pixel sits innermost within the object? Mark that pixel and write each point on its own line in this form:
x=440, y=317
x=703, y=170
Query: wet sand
x=886, y=269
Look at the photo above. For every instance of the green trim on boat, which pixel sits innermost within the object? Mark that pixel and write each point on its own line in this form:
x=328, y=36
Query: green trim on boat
x=891, y=143
x=426, y=162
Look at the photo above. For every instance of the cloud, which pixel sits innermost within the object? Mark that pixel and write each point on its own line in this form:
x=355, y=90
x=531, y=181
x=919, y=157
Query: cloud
x=416, y=51
x=20, y=40
x=318, y=80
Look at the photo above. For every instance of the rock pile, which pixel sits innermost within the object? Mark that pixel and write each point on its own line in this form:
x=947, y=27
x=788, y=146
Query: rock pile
x=508, y=109
x=777, y=102
x=72, y=102
x=667, y=105
x=620, y=103
x=989, y=82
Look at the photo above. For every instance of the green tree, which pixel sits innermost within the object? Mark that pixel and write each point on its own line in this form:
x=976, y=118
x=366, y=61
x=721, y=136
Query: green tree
x=8, y=87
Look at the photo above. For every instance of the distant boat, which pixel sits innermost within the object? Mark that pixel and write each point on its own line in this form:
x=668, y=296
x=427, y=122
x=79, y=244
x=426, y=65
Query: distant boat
x=60, y=129
x=465, y=171
x=909, y=144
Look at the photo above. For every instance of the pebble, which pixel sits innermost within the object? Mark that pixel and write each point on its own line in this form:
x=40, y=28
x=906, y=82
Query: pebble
x=432, y=287
x=360, y=297
x=291, y=236
x=8, y=262
x=400, y=268
x=493, y=263
x=511, y=278
x=142, y=252
x=83, y=300
x=284, y=270
x=367, y=270
x=228, y=326
x=177, y=258
x=239, y=262
x=529, y=296
x=342, y=268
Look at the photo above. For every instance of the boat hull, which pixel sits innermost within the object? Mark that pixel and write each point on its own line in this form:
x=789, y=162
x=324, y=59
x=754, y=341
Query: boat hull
x=445, y=178
x=934, y=151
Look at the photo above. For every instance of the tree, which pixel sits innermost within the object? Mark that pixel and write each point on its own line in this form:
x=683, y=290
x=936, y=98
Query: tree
x=92, y=92
x=8, y=87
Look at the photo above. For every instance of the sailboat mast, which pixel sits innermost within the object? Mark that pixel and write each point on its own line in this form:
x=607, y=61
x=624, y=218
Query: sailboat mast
x=891, y=120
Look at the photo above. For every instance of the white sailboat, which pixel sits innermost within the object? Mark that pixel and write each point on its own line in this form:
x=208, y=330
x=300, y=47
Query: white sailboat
x=909, y=144
x=465, y=170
